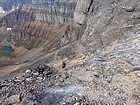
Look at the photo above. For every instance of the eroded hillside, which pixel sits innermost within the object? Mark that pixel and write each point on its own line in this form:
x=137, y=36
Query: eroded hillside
x=37, y=26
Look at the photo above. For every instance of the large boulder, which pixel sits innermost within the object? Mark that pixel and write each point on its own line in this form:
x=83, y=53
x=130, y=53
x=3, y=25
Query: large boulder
x=14, y=99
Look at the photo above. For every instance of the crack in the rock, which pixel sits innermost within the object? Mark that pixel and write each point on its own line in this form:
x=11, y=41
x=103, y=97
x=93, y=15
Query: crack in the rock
x=90, y=6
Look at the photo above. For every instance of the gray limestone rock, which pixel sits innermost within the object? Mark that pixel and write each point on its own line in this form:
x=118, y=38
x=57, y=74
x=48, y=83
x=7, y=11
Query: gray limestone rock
x=14, y=99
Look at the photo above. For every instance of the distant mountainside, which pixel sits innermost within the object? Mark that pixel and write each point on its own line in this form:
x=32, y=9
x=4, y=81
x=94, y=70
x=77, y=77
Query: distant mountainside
x=8, y=4
x=46, y=23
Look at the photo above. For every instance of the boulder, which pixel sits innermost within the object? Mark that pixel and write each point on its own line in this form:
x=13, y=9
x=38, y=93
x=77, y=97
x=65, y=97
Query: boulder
x=14, y=99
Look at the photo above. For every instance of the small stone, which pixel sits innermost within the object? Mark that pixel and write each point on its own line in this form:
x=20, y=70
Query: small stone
x=61, y=80
x=28, y=71
x=76, y=98
x=64, y=103
x=39, y=78
x=28, y=79
x=14, y=99
x=130, y=9
x=82, y=103
x=77, y=103
x=96, y=74
x=36, y=74
x=109, y=79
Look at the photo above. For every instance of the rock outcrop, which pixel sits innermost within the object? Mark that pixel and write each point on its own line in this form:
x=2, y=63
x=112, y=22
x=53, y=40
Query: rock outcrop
x=109, y=21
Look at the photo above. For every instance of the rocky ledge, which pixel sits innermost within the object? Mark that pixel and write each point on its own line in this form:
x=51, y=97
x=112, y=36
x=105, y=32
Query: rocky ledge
x=44, y=85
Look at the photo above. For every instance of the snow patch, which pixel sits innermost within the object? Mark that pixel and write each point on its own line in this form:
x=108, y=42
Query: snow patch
x=1, y=10
x=13, y=8
x=9, y=29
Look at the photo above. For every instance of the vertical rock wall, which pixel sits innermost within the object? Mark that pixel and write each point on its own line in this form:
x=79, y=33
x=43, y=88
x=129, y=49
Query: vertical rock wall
x=55, y=10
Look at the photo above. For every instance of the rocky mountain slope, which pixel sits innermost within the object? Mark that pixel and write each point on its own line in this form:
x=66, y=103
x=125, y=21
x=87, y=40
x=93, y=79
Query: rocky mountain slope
x=46, y=24
x=94, y=60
